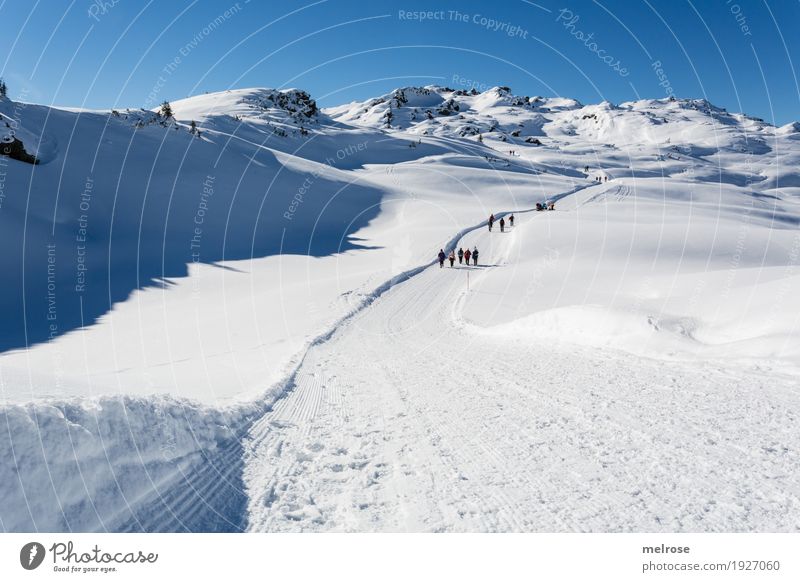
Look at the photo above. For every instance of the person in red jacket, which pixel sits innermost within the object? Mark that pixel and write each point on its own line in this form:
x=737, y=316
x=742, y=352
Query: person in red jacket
x=467, y=255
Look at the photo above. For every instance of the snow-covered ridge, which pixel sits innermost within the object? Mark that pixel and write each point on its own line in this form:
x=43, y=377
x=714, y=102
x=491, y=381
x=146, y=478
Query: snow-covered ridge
x=286, y=105
x=435, y=110
x=668, y=127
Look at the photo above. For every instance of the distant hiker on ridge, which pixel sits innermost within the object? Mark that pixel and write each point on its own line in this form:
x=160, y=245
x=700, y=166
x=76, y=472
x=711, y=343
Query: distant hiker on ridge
x=475, y=255
x=460, y=255
x=452, y=258
x=502, y=226
x=491, y=222
x=467, y=254
x=441, y=258
x=511, y=221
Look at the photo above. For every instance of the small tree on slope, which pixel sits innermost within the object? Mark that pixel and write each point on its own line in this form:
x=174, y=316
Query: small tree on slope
x=166, y=109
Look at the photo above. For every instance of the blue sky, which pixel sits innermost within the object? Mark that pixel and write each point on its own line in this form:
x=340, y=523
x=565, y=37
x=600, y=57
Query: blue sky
x=739, y=54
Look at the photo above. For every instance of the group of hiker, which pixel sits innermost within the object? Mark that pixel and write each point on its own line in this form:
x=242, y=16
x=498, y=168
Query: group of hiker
x=463, y=256
x=502, y=222
x=596, y=178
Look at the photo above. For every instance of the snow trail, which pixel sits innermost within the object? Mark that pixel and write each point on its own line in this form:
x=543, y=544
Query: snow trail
x=158, y=464
x=406, y=419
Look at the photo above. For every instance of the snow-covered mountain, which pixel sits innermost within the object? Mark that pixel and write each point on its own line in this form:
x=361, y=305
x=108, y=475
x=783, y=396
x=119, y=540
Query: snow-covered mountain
x=171, y=279
x=438, y=110
x=715, y=144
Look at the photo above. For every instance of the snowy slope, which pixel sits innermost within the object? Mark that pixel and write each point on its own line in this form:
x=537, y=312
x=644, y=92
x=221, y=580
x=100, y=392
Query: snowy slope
x=120, y=200
x=291, y=365
x=439, y=428
x=624, y=266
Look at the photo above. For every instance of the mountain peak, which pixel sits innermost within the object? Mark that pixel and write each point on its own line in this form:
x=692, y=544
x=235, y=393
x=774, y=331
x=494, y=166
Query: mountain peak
x=292, y=104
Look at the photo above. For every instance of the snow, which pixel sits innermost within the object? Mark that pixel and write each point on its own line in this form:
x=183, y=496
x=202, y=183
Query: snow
x=627, y=267
x=104, y=464
x=406, y=420
x=619, y=364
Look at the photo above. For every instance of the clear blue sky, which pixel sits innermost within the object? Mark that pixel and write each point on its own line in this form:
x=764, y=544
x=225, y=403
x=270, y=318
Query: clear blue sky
x=739, y=54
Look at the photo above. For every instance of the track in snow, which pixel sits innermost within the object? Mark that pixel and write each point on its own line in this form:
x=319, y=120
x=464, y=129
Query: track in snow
x=404, y=419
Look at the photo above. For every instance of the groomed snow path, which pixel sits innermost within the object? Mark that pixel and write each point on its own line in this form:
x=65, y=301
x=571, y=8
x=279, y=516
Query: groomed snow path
x=406, y=419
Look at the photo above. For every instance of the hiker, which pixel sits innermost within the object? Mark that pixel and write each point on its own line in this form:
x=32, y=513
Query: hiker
x=475, y=255
x=511, y=221
x=502, y=226
x=551, y=206
x=491, y=222
x=539, y=207
x=606, y=178
x=460, y=255
x=441, y=258
x=467, y=254
x=451, y=258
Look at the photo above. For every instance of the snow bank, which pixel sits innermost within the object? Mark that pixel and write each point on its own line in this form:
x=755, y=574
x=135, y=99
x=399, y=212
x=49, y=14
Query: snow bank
x=117, y=463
